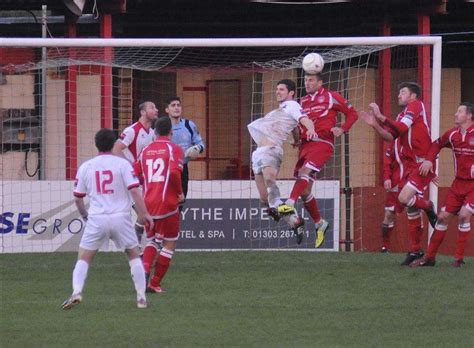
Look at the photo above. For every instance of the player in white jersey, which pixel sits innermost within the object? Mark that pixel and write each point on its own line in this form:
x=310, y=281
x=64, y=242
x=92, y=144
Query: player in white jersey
x=135, y=137
x=269, y=133
x=110, y=184
x=132, y=141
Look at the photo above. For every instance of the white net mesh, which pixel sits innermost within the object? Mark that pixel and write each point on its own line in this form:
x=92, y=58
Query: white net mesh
x=52, y=108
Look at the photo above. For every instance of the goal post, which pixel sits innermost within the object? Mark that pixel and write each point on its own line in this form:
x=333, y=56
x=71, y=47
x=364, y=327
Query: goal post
x=224, y=84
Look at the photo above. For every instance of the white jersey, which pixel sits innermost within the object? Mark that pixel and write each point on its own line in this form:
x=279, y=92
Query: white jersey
x=106, y=179
x=135, y=138
x=277, y=124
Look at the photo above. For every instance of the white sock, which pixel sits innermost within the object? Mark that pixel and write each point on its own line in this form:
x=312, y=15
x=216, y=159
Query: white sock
x=138, y=276
x=79, y=276
x=291, y=202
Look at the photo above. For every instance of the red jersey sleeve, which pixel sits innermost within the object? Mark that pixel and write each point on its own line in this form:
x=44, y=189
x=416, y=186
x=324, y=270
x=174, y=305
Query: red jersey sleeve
x=342, y=105
x=178, y=156
x=410, y=114
x=177, y=169
x=438, y=144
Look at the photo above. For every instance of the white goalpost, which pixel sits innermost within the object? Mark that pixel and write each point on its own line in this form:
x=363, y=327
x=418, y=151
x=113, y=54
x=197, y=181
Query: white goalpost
x=56, y=93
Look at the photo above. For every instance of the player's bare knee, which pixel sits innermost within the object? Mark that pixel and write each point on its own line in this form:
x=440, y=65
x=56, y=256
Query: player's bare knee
x=404, y=198
x=132, y=253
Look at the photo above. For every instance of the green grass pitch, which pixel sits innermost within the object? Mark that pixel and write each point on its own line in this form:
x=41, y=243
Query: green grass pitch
x=274, y=299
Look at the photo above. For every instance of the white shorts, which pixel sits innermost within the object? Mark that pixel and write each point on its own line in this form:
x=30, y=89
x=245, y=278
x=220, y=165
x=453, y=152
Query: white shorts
x=266, y=156
x=116, y=227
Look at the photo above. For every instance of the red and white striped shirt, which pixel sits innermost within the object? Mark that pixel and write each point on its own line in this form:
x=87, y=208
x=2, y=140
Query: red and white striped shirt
x=412, y=130
x=135, y=138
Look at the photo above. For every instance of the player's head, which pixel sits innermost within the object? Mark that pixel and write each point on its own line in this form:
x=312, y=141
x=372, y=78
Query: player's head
x=148, y=111
x=105, y=140
x=173, y=107
x=285, y=90
x=163, y=126
x=312, y=82
x=464, y=113
x=408, y=91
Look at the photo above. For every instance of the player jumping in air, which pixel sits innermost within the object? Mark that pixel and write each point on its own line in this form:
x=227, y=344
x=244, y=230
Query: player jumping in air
x=269, y=133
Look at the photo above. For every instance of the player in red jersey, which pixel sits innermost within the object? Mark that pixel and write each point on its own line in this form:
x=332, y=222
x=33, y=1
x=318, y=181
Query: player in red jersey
x=392, y=175
x=411, y=132
x=322, y=106
x=460, y=198
x=160, y=166
x=132, y=141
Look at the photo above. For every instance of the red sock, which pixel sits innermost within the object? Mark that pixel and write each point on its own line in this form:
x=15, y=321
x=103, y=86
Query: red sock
x=162, y=265
x=415, y=232
x=386, y=234
x=435, y=241
x=298, y=188
x=312, y=207
x=420, y=203
x=463, y=236
x=149, y=254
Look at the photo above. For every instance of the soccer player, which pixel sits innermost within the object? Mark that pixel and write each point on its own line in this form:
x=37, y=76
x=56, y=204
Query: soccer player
x=269, y=133
x=186, y=135
x=411, y=132
x=392, y=175
x=322, y=106
x=460, y=198
x=160, y=166
x=132, y=141
x=108, y=181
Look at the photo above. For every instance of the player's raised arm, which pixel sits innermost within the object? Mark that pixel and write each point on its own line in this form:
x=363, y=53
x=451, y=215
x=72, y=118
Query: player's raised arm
x=370, y=119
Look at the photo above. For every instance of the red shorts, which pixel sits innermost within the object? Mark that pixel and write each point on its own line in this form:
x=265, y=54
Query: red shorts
x=166, y=229
x=461, y=193
x=418, y=182
x=392, y=203
x=313, y=155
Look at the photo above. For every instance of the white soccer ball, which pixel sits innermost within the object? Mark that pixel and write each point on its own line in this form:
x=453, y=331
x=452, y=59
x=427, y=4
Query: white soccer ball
x=313, y=63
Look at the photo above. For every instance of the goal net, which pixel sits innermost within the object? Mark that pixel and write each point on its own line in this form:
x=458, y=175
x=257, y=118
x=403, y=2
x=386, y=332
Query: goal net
x=56, y=94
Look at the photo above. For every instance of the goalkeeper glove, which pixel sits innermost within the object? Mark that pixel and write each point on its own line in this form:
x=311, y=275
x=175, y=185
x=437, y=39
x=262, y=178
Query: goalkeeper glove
x=193, y=151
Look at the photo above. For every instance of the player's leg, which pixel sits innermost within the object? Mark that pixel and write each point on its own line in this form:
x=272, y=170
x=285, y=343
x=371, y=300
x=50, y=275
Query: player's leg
x=79, y=276
x=464, y=230
x=152, y=247
x=411, y=196
x=138, y=275
x=162, y=265
x=266, y=163
x=388, y=225
x=313, y=156
x=122, y=234
x=452, y=206
x=311, y=207
x=170, y=229
x=436, y=239
x=415, y=233
x=95, y=233
x=270, y=175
